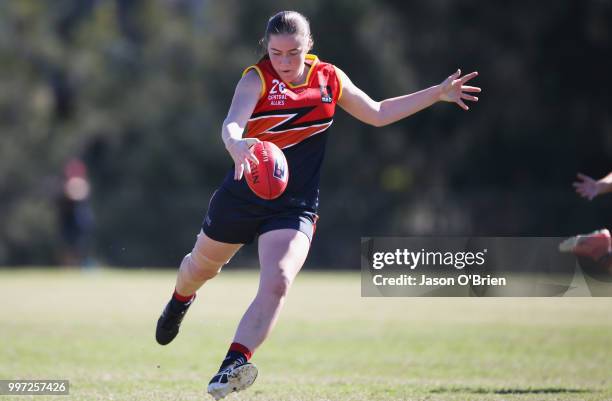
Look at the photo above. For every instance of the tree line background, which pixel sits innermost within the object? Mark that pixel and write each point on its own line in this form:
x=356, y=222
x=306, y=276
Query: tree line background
x=138, y=90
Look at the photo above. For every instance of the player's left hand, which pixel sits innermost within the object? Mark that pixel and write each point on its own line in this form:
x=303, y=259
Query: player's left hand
x=453, y=88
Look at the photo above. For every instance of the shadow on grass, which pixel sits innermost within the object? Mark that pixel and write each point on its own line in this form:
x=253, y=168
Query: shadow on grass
x=481, y=390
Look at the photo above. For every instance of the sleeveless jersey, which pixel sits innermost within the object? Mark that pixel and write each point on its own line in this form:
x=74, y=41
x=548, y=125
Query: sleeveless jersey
x=296, y=119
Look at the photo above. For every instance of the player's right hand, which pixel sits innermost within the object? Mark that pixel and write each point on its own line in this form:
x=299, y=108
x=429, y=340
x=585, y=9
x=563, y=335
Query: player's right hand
x=241, y=153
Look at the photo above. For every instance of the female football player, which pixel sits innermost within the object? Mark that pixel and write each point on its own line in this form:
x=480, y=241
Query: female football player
x=593, y=250
x=288, y=98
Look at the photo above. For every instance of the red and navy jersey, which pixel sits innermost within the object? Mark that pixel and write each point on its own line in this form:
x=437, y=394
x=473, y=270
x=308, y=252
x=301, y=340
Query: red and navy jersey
x=296, y=119
x=287, y=114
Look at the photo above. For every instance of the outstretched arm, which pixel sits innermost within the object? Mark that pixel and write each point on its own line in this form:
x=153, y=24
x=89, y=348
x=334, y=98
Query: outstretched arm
x=358, y=104
x=589, y=188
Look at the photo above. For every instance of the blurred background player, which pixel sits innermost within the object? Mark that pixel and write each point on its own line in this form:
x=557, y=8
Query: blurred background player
x=288, y=98
x=75, y=215
x=593, y=250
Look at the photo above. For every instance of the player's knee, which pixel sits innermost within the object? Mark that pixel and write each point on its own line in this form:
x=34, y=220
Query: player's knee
x=279, y=286
x=202, y=268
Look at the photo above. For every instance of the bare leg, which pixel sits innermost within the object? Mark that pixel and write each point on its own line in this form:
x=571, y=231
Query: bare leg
x=203, y=263
x=281, y=254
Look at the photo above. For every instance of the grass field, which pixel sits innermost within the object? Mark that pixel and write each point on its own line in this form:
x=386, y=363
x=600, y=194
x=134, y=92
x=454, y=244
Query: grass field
x=97, y=330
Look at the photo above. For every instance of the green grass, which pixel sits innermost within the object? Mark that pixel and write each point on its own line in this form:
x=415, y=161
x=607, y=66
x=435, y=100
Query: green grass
x=97, y=330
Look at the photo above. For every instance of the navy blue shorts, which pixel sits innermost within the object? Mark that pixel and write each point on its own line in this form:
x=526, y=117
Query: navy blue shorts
x=234, y=220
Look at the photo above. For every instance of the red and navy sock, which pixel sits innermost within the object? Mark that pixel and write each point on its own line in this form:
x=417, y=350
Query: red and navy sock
x=182, y=301
x=237, y=353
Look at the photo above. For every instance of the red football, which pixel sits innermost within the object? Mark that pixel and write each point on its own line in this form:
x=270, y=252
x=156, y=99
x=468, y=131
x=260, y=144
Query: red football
x=268, y=180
